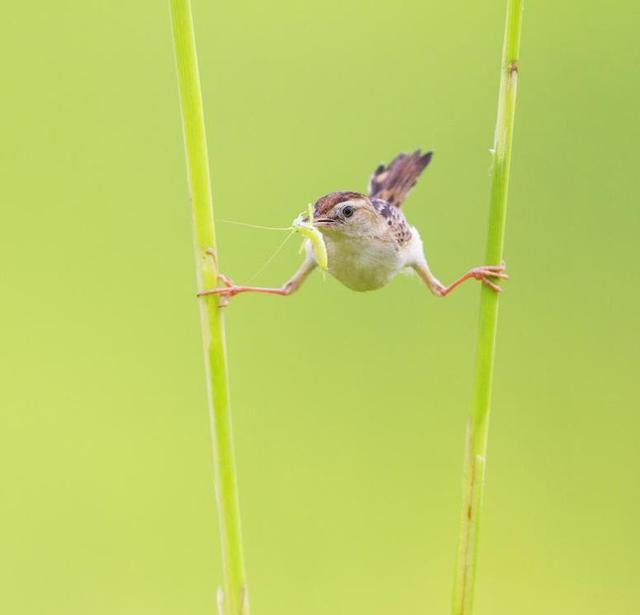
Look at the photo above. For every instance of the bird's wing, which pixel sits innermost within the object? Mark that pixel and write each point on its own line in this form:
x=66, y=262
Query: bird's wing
x=392, y=183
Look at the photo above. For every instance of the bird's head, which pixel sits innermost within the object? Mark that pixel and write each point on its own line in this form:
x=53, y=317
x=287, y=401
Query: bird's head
x=347, y=214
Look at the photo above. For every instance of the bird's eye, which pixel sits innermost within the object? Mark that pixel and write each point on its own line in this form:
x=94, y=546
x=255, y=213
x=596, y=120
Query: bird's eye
x=347, y=211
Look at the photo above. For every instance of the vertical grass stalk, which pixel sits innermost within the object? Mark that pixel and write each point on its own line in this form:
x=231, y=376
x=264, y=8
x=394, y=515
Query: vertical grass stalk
x=234, y=599
x=478, y=426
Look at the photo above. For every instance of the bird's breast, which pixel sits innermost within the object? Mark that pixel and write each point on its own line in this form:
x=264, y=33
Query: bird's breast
x=363, y=263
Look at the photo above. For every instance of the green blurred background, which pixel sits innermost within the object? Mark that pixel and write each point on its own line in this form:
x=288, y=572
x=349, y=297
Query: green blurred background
x=349, y=409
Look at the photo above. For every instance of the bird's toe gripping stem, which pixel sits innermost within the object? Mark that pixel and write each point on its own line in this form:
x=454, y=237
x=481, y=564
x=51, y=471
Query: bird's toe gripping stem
x=230, y=289
x=484, y=274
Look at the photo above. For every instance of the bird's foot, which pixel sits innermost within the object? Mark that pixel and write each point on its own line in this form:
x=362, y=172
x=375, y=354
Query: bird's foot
x=483, y=274
x=225, y=292
x=486, y=272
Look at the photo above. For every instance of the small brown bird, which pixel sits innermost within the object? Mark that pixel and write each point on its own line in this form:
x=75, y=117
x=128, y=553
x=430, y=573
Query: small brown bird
x=368, y=239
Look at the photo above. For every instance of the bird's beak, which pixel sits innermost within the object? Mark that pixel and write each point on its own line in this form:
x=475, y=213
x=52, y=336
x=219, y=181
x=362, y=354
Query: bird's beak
x=323, y=221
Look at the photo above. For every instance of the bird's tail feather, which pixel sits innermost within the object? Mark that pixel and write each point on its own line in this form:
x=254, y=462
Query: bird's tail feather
x=392, y=183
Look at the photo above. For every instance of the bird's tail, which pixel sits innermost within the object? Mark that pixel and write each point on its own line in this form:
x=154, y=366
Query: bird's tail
x=392, y=183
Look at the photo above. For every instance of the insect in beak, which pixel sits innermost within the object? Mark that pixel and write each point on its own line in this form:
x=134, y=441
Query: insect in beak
x=310, y=231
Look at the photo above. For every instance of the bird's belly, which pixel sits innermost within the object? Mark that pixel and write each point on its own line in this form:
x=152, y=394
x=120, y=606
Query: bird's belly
x=361, y=266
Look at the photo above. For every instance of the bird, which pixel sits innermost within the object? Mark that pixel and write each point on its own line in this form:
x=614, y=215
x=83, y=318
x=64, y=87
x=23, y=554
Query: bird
x=368, y=239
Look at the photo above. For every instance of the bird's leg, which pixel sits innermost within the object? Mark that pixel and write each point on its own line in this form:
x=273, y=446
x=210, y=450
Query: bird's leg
x=477, y=273
x=231, y=290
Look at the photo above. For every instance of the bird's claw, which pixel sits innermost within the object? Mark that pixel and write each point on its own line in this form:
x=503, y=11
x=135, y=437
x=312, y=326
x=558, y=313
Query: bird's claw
x=224, y=293
x=486, y=272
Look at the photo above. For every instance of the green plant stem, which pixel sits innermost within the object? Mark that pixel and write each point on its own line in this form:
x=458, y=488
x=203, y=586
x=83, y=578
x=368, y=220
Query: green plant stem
x=234, y=597
x=478, y=426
